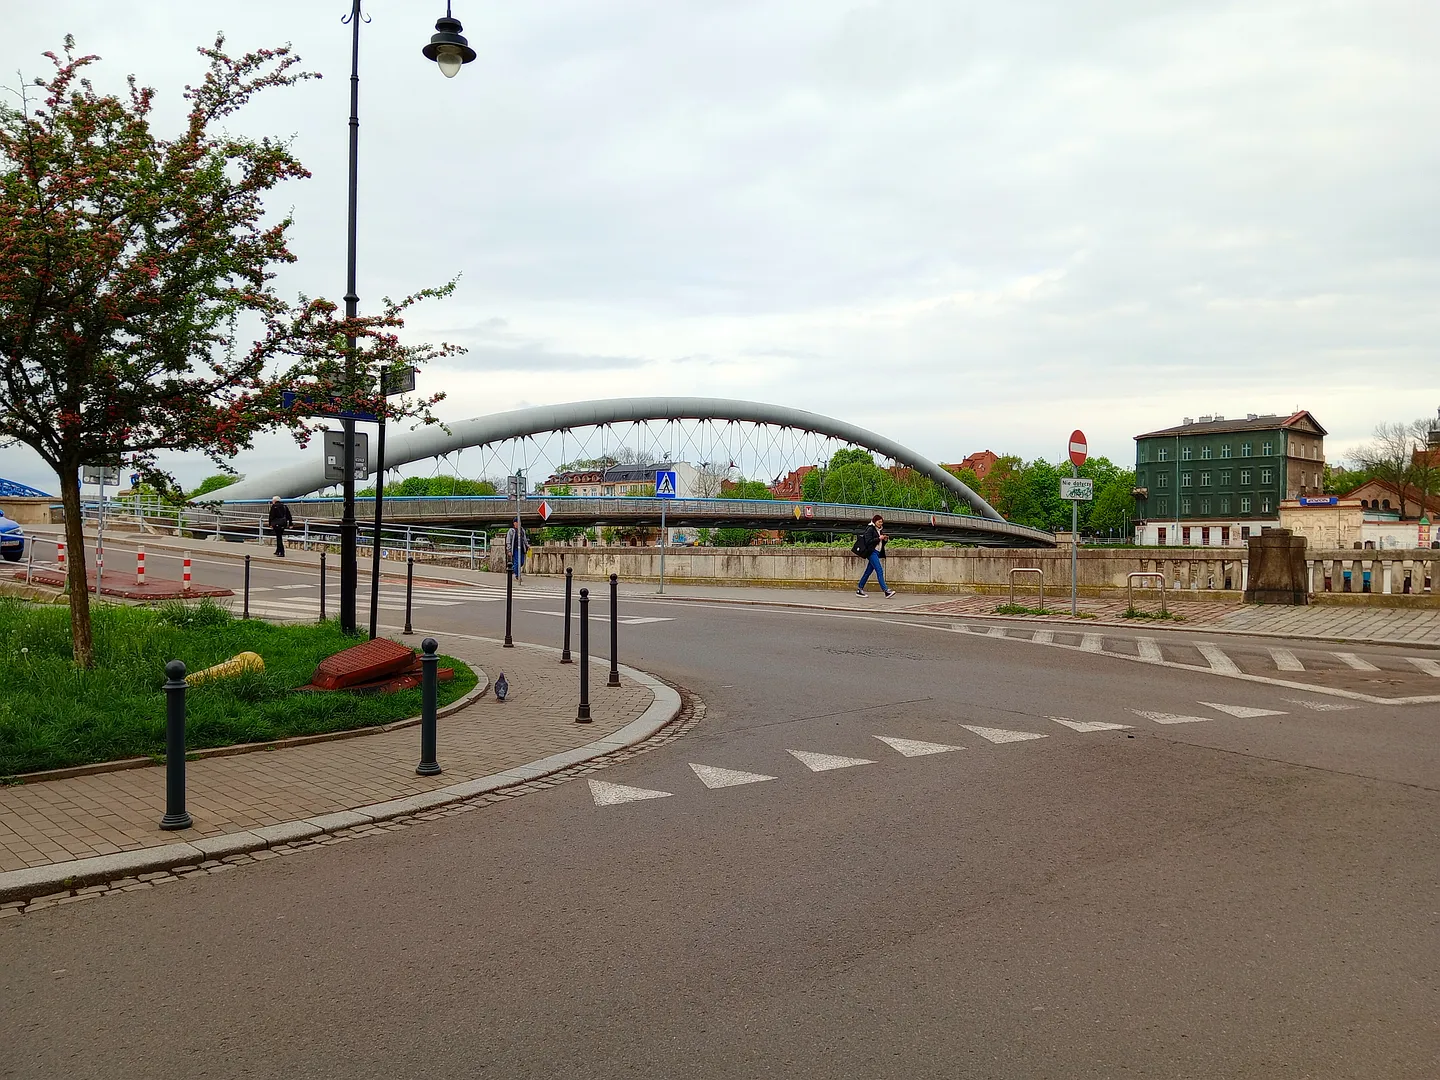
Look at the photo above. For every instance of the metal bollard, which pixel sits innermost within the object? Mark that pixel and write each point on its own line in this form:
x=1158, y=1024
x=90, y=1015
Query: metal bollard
x=322, y=586
x=185, y=574
x=583, y=715
x=509, y=592
x=409, y=592
x=140, y=566
x=246, y=613
x=565, y=652
x=175, y=815
x=614, y=630
x=429, y=667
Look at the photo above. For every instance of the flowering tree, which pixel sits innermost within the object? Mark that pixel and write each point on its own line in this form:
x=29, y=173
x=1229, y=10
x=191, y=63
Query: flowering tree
x=128, y=263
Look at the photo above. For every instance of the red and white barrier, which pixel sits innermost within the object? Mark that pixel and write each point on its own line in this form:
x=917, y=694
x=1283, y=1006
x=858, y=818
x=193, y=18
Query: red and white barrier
x=60, y=554
x=140, y=567
x=186, y=582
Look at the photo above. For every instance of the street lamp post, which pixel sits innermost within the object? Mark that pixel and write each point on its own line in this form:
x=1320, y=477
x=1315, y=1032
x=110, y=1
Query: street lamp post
x=449, y=49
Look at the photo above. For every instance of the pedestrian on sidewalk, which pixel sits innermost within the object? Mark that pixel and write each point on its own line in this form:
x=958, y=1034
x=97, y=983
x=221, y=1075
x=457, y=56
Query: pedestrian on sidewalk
x=280, y=520
x=517, y=547
x=870, y=546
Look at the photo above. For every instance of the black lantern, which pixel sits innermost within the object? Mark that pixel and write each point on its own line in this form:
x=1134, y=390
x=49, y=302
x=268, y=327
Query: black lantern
x=448, y=46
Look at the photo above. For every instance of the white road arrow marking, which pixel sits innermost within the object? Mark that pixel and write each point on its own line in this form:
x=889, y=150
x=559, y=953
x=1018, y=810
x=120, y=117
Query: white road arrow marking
x=614, y=794
x=1355, y=662
x=1285, y=660
x=1244, y=712
x=713, y=777
x=1321, y=706
x=1089, y=725
x=826, y=762
x=1218, y=661
x=1170, y=718
x=1000, y=735
x=1430, y=667
x=912, y=748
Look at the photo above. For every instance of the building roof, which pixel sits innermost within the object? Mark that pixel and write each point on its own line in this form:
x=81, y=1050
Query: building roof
x=1218, y=425
x=1375, y=486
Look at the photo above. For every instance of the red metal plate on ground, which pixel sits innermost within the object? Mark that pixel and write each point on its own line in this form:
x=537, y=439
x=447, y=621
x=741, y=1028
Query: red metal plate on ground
x=369, y=661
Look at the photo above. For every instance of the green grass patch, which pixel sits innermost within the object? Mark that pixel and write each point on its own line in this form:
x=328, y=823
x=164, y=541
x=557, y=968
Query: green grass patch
x=54, y=714
x=1168, y=616
x=1021, y=609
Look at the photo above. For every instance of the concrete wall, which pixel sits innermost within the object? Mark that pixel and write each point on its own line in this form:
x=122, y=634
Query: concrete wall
x=32, y=511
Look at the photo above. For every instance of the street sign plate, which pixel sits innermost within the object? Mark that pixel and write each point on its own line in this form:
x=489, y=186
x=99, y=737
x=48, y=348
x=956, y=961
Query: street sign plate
x=309, y=405
x=397, y=381
x=665, y=484
x=108, y=475
x=545, y=511
x=1319, y=500
x=1077, y=488
x=1079, y=450
x=334, y=447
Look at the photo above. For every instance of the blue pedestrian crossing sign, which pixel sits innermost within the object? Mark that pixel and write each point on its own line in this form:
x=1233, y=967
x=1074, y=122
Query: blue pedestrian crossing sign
x=665, y=484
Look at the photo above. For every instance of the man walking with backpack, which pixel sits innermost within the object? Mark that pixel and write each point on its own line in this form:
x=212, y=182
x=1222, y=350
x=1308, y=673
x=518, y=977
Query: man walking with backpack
x=870, y=546
x=517, y=546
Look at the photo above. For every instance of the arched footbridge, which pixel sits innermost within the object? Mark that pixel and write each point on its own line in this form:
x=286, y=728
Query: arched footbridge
x=983, y=526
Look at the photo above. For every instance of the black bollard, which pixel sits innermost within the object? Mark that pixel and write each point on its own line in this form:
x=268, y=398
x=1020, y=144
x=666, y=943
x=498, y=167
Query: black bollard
x=175, y=815
x=246, y=614
x=614, y=630
x=565, y=652
x=583, y=716
x=509, y=591
x=409, y=592
x=322, y=586
x=429, y=668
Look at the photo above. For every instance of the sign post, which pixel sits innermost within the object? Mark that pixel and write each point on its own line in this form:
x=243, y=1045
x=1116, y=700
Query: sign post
x=665, y=491
x=1079, y=450
x=102, y=475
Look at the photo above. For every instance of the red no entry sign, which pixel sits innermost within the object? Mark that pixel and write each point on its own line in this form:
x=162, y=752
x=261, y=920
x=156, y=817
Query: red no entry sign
x=1078, y=448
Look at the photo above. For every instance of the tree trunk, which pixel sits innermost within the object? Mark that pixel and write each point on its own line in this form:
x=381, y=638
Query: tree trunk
x=81, y=636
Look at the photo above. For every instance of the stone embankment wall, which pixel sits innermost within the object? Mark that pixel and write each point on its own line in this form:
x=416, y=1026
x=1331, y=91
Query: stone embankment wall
x=1219, y=573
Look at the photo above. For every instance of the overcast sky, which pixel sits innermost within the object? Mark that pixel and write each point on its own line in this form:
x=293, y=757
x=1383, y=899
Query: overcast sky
x=965, y=225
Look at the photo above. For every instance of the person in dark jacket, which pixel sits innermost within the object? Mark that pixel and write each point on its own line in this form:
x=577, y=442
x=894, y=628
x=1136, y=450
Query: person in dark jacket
x=871, y=548
x=280, y=520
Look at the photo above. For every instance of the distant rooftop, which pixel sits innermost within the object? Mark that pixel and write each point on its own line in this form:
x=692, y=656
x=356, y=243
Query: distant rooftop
x=1217, y=425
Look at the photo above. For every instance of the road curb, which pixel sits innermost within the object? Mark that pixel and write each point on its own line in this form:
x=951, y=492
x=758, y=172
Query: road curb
x=100, y=869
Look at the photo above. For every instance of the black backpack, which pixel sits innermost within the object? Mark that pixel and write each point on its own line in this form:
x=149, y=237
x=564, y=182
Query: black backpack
x=858, y=548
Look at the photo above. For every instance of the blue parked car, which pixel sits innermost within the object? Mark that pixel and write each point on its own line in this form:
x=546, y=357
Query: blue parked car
x=12, y=539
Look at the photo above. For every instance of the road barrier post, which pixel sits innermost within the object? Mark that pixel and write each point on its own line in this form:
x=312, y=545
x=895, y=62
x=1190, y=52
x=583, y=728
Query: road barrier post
x=429, y=669
x=509, y=592
x=140, y=566
x=322, y=586
x=175, y=815
x=614, y=630
x=185, y=574
x=246, y=614
x=60, y=556
x=409, y=592
x=582, y=716
x=565, y=652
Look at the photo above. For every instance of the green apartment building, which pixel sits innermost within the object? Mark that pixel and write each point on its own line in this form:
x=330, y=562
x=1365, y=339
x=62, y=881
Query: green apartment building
x=1214, y=482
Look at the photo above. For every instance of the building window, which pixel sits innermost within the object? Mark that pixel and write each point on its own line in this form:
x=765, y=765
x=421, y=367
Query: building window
x=1140, y=454
x=1162, y=480
x=1205, y=536
x=1225, y=505
x=1205, y=509
x=1244, y=449
x=1204, y=479
x=1140, y=478
x=1265, y=449
x=1185, y=536
x=1244, y=506
x=1164, y=507
x=1164, y=454
x=1225, y=451
x=1185, y=453
x=1244, y=476
x=1185, y=507
x=1204, y=453
x=1266, y=476
x=1185, y=479
x=1244, y=532
x=1161, y=535
x=1225, y=478
x=1265, y=505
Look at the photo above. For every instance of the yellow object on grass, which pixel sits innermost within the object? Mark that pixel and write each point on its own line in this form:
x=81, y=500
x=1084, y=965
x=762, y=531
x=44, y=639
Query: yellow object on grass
x=245, y=661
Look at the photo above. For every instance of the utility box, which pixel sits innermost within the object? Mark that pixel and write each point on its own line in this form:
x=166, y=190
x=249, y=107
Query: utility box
x=1277, y=569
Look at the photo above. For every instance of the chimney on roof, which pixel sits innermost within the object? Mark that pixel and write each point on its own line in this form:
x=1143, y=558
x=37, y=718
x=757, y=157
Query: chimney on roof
x=1251, y=416
x=1218, y=417
x=1206, y=419
x=1188, y=420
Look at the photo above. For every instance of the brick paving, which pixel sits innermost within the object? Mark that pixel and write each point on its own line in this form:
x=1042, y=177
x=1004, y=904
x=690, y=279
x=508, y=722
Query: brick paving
x=59, y=820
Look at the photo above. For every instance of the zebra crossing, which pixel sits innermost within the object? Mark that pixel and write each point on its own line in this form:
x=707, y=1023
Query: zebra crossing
x=301, y=602
x=715, y=777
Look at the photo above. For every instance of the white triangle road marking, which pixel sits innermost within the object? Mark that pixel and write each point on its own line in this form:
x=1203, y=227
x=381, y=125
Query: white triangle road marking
x=914, y=748
x=614, y=794
x=1170, y=718
x=825, y=762
x=1089, y=725
x=1001, y=735
x=1321, y=706
x=1244, y=712
x=714, y=777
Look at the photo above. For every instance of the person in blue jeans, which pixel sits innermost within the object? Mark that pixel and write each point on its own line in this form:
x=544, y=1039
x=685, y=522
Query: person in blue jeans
x=870, y=547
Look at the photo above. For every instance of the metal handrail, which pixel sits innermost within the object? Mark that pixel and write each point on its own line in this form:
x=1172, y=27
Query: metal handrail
x=1130, y=588
x=1028, y=570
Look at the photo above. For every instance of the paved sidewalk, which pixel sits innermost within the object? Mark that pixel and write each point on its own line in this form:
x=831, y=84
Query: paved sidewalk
x=56, y=821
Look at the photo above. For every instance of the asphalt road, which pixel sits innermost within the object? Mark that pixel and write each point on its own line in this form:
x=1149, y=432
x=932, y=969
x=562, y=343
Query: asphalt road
x=1198, y=895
